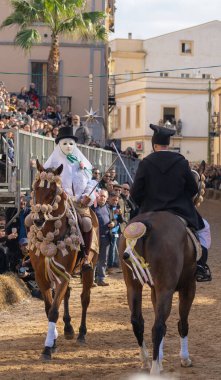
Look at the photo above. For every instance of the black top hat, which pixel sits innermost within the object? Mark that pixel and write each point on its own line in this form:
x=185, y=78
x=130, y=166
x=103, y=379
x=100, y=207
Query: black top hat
x=65, y=133
x=161, y=135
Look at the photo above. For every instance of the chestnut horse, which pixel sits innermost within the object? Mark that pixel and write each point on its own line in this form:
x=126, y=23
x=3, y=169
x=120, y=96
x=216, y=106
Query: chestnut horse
x=54, y=248
x=171, y=256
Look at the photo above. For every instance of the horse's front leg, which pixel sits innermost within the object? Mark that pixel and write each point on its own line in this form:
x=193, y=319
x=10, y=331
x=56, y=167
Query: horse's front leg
x=53, y=315
x=68, y=328
x=186, y=297
x=87, y=281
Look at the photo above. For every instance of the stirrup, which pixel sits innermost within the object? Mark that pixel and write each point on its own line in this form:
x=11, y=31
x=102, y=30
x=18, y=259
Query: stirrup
x=203, y=273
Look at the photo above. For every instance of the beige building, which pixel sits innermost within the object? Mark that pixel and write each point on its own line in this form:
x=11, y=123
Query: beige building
x=77, y=61
x=155, y=85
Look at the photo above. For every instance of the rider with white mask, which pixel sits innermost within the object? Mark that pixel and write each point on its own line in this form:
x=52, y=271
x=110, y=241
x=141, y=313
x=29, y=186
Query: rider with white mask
x=76, y=178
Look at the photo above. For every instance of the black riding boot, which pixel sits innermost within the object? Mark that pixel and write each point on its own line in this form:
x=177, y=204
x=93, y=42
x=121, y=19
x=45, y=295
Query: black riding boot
x=87, y=236
x=203, y=273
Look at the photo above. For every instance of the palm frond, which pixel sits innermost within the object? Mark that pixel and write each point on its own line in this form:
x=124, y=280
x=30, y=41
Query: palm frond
x=26, y=8
x=26, y=38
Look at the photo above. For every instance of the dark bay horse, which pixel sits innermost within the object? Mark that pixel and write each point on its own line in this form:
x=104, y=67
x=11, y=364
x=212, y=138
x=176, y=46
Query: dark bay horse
x=53, y=248
x=170, y=253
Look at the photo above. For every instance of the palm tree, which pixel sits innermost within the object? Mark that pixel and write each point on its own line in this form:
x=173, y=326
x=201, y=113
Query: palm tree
x=62, y=17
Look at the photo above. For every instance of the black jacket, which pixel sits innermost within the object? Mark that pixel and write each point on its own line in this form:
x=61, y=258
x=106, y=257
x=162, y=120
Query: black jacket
x=164, y=182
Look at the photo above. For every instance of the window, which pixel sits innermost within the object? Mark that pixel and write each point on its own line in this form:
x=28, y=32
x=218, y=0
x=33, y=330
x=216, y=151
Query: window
x=186, y=47
x=128, y=117
x=206, y=76
x=138, y=116
x=118, y=118
x=164, y=74
x=169, y=114
x=39, y=76
x=185, y=75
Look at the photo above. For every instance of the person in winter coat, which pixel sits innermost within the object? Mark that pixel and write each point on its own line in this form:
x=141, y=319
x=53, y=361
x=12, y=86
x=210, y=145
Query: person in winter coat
x=164, y=182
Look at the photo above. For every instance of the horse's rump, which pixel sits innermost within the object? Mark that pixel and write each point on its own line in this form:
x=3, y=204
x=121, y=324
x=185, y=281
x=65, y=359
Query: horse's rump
x=166, y=247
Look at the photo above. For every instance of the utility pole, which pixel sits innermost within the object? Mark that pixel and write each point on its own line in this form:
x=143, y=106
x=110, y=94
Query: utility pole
x=209, y=123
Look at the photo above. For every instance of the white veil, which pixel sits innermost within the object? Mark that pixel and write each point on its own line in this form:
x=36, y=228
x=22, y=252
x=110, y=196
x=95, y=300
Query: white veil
x=72, y=176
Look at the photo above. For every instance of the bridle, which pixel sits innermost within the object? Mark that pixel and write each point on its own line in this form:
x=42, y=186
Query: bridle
x=47, y=209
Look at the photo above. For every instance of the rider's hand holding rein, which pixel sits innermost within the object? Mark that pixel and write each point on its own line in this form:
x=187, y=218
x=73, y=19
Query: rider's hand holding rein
x=85, y=200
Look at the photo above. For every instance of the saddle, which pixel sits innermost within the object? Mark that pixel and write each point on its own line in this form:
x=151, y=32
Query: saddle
x=193, y=237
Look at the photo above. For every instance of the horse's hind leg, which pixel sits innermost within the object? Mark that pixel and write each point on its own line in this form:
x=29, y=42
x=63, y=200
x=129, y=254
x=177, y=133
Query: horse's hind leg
x=68, y=328
x=163, y=303
x=186, y=297
x=87, y=281
x=134, y=297
x=153, y=299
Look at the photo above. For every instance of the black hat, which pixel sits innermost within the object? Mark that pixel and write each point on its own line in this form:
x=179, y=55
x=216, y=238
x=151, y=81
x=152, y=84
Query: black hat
x=65, y=133
x=161, y=135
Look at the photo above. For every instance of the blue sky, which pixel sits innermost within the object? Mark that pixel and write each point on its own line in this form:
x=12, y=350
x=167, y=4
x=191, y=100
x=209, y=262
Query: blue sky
x=149, y=18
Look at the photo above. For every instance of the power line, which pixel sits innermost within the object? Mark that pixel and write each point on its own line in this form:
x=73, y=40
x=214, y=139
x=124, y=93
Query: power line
x=112, y=75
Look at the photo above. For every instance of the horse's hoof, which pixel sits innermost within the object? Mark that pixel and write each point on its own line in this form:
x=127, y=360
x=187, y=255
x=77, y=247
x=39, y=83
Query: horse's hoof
x=69, y=332
x=46, y=354
x=186, y=363
x=54, y=348
x=81, y=339
x=68, y=335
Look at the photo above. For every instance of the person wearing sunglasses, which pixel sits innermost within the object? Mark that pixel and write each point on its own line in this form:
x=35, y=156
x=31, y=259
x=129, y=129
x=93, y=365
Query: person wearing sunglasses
x=105, y=180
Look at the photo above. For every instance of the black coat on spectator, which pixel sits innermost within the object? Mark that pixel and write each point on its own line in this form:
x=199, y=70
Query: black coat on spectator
x=164, y=182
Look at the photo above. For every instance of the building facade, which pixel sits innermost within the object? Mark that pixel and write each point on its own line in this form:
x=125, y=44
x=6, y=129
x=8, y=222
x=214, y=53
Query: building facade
x=79, y=62
x=166, y=79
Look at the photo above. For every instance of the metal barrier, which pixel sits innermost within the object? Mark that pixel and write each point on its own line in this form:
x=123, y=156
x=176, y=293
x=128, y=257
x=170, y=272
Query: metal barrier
x=17, y=170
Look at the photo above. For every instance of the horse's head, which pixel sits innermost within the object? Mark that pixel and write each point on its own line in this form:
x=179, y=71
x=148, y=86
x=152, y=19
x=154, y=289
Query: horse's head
x=46, y=194
x=198, y=174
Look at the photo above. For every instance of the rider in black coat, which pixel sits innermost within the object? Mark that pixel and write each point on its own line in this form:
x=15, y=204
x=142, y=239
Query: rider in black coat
x=164, y=181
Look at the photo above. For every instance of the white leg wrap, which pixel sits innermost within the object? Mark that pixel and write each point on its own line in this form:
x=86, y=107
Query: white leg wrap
x=161, y=350
x=144, y=356
x=161, y=354
x=55, y=333
x=184, y=353
x=155, y=369
x=49, y=341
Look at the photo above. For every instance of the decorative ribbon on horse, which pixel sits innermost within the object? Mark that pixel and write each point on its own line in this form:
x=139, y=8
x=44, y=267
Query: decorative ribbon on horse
x=133, y=260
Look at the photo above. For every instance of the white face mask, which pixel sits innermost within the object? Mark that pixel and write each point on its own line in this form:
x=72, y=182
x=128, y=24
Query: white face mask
x=67, y=146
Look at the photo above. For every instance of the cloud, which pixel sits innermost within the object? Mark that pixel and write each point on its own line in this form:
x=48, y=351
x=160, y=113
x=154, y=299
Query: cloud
x=148, y=18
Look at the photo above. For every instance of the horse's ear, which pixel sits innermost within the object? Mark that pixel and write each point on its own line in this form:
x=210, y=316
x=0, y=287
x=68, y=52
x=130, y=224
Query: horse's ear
x=58, y=171
x=202, y=168
x=39, y=166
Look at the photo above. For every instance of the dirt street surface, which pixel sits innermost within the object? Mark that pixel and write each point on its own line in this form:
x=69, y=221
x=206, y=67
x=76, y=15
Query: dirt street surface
x=111, y=350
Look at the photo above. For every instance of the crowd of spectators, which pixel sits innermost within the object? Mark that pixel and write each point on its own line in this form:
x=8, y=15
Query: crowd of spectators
x=14, y=245
x=114, y=208
x=23, y=111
